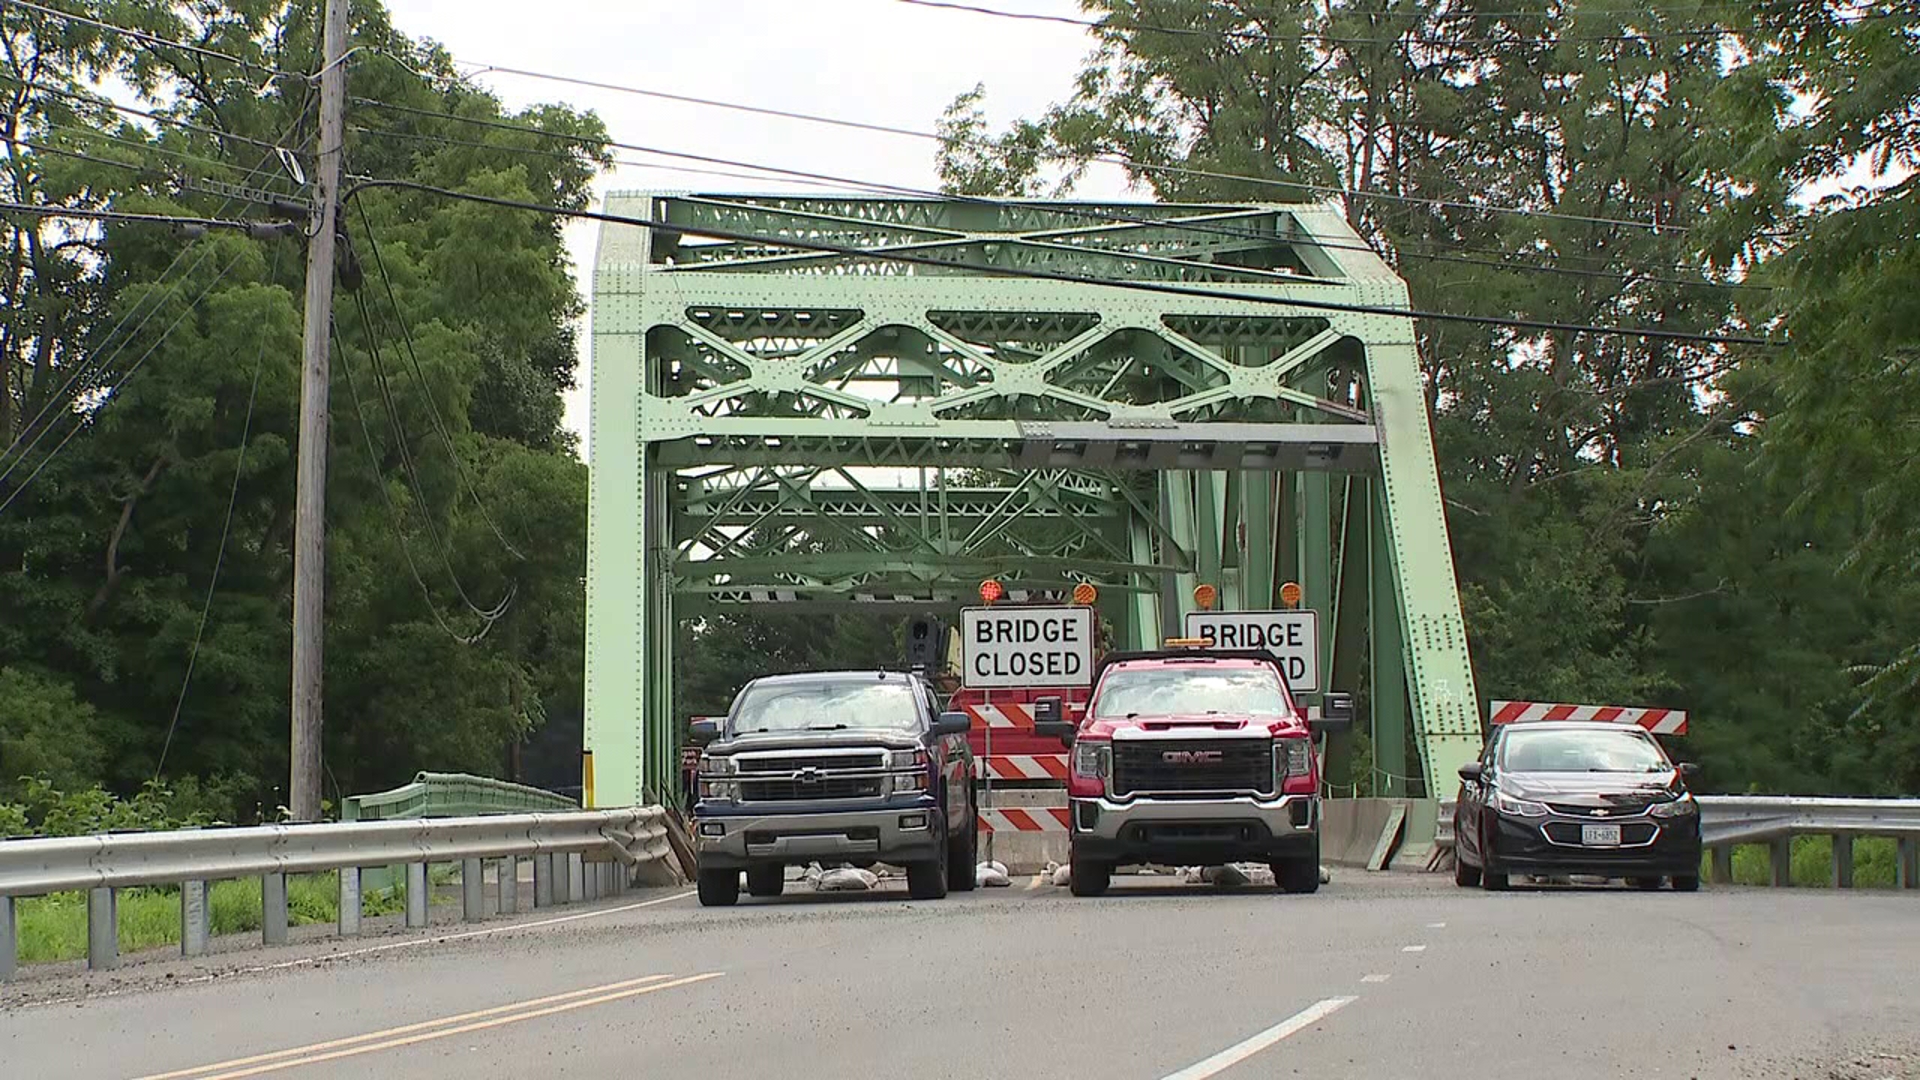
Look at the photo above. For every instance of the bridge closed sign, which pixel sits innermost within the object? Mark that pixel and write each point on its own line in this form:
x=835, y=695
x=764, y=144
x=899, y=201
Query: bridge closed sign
x=1026, y=646
x=1291, y=636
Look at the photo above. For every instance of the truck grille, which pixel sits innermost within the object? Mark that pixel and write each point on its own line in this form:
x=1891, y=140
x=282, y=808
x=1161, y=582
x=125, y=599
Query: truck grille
x=868, y=759
x=1242, y=765
x=827, y=787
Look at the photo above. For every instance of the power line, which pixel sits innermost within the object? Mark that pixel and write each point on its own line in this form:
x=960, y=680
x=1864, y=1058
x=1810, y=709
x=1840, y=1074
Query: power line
x=1104, y=215
x=256, y=229
x=408, y=465
x=132, y=369
x=152, y=39
x=393, y=510
x=1260, y=37
x=1650, y=333
x=1117, y=160
x=132, y=110
x=220, y=550
x=420, y=380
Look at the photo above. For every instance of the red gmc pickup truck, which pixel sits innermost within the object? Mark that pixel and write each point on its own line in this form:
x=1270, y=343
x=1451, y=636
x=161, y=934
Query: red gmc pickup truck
x=1193, y=756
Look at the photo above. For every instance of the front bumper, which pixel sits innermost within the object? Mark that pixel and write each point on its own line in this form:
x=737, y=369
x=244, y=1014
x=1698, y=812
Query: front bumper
x=738, y=835
x=1196, y=831
x=1650, y=847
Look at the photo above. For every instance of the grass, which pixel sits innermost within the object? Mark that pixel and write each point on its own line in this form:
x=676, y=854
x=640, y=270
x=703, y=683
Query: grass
x=55, y=927
x=1874, y=863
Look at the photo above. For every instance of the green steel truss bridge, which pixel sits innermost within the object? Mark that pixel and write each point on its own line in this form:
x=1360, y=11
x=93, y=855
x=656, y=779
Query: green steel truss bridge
x=1144, y=396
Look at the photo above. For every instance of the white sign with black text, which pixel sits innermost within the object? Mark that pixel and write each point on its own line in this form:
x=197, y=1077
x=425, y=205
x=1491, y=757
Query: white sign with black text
x=1291, y=636
x=1026, y=646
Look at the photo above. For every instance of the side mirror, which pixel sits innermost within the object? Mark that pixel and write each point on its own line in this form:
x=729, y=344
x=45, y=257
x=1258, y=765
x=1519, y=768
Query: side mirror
x=1472, y=771
x=703, y=731
x=1336, y=714
x=1688, y=771
x=953, y=723
x=1047, y=710
x=1059, y=729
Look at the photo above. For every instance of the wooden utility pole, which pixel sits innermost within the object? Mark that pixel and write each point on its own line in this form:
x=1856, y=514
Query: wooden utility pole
x=310, y=506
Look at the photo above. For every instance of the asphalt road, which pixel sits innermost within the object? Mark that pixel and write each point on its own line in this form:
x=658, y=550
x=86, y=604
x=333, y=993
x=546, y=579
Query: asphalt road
x=1375, y=976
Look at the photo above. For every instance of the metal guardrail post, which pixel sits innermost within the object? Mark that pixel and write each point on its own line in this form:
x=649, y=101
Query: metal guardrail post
x=349, y=901
x=273, y=909
x=473, y=903
x=508, y=884
x=1780, y=860
x=1906, y=864
x=9, y=940
x=542, y=881
x=1723, y=865
x=1842, y=861
x=576, y=877
x=196, y=920
x=103, y=930
x=417, y=894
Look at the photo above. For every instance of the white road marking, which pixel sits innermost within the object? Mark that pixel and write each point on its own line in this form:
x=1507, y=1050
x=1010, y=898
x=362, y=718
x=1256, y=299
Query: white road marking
x=1246, y=1048
x=1038, y=880
x=1436, y=926
x=1413, y=948
x=1374, y=978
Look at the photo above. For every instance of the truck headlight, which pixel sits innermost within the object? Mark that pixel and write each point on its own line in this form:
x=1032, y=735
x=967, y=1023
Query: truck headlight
x=720, y=789
x=718, y=765
x=1292, y=757
x=907, y=759
x=1683, y=806
x=1094, y=759
x=909, y=783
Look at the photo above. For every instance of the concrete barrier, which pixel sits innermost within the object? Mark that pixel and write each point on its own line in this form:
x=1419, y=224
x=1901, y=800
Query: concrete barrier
x=1378, y=833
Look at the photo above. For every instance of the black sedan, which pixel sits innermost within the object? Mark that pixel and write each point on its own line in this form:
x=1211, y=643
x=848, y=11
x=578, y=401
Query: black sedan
x=1575, y=797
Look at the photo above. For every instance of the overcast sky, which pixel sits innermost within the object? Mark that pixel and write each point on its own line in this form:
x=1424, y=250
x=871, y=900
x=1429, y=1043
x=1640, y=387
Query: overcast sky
x=874, y=60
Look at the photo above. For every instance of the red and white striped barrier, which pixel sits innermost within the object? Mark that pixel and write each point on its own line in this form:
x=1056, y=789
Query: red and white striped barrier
x=1015, y=714
x=1027, y=766
x=1657, y=721
x=1028, y=819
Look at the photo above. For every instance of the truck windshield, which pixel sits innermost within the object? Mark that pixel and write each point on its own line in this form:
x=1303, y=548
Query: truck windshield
x=1167, y=691
x=1601, y=750
x=827, y=706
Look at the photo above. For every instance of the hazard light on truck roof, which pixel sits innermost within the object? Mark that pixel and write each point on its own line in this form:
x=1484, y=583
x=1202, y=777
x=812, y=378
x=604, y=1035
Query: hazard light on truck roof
x=1655, y=721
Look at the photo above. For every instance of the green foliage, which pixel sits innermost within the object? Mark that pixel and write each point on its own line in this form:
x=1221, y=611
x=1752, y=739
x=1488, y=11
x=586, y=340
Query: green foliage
x=465, y=489
x=46, y=810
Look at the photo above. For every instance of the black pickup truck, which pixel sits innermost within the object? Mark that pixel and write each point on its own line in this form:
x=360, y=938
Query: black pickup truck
x=859, y=767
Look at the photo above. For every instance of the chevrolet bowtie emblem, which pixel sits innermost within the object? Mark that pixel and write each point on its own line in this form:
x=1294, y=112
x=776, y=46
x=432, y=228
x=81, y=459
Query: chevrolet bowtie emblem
x=1600, y=812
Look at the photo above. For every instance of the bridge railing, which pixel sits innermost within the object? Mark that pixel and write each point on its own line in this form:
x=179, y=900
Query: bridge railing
x=576, y=856
x=435, y=794
x=1728, y=821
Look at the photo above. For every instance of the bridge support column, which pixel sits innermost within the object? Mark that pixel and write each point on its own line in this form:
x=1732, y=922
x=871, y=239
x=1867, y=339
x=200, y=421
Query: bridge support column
x=349, y=901
x=103, y=930
x=273, y=909
x=195, y=919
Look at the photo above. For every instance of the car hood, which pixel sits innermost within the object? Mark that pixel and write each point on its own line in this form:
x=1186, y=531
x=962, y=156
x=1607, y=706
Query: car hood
x=791, y=740
x=1593, y=789
x=1194, y=726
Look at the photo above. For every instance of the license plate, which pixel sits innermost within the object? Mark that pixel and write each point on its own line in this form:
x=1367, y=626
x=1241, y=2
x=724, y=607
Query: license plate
x=1600, y=835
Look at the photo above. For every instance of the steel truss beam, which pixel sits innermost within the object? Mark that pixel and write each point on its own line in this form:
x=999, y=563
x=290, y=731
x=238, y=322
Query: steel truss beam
x=775, y=426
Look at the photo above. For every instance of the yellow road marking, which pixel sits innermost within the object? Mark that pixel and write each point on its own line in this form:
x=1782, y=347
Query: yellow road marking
x=317, y=1052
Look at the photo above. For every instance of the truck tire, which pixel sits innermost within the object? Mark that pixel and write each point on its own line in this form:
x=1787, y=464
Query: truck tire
x=1301, y=875
x=768, y=880
x=1088, y=878
x=927, y=880
x=963, y=855
x=718, y=888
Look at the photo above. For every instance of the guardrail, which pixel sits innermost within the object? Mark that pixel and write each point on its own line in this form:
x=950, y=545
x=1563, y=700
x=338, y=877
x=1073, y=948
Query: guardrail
x=433, y=794
x=1727, y=821
x=576, y=856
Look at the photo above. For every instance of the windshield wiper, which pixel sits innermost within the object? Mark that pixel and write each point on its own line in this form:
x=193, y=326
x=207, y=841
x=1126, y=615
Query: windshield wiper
x=826, y=727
